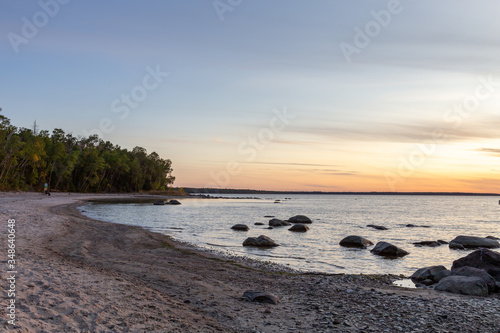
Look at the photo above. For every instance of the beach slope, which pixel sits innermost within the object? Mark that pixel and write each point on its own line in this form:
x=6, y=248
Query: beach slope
x=75, y=274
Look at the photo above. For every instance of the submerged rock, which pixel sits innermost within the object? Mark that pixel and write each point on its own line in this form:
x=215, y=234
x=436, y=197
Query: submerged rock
x=240, y=227
x=258, y=223
x=377, y=227
x=300, y=219
x=173, y=202
x=261, y=241
x=261, y=297
x=428, y=243
x=465, y=285
x=299, y=228
x=388, y=250
x=355, y=241
x=278, y=223
x=470, y=242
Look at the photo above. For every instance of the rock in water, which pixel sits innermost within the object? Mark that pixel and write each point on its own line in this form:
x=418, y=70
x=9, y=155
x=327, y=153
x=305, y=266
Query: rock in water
x=470, y=242
x=261, y=297
x=476, y=272
x=355, y=241
x=300, y=219
x=465, y=285
x=278, y=223
x=261, y=241
x=485, y=259
x=159, y=203
x=388, y=250
x=428, y=243
x=174, y=202
x=299, y=228
x=240, y=227
x=456, y=246
x=377, y=227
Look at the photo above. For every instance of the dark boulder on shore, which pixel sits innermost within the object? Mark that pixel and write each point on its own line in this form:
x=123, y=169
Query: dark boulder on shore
x=485, y=259
x=376, y=227
x=261, y=297
x=299, y=228
x=434, y=273
x=300, y=219
x=240, y=227
x=261, y=241
x=355, y=241
x=465, y=285
x=278, y=223
x=388, y=250
x=470, y=242
x=476, y=272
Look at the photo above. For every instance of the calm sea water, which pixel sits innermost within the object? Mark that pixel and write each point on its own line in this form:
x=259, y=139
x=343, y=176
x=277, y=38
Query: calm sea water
x=207, y=223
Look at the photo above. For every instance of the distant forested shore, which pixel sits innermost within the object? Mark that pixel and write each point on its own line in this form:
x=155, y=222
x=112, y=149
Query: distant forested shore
x=30, y=159
x=191, y=190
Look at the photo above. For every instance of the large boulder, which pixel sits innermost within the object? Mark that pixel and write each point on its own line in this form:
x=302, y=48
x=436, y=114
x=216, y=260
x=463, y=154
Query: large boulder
x=434, y=273
x=240, y=227
x=278, y=223
x=159, y=203
x=377, y=227
x=388, y=250
x=476, y=272
x=299, y=228
x=355, y=241
x=300, y=219
x=470, y=242
x=485, y=259
x=465, y=285
x=261, y=241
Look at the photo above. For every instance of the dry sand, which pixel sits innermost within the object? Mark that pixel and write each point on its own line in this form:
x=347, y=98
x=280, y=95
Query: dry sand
x=75, y=274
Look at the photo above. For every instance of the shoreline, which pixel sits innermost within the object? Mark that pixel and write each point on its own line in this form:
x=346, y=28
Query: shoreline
x=78, y=274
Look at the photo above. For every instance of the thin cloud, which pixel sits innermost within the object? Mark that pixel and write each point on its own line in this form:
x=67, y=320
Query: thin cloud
x=490, y=151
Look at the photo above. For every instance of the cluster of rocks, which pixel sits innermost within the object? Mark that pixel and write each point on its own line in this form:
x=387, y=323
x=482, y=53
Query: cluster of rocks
x=381, y=248
x=162, y=202
x=299, y=225
x=477, y=274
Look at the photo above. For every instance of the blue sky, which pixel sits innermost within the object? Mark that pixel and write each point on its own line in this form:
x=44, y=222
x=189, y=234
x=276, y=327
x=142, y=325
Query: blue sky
x=354, y=122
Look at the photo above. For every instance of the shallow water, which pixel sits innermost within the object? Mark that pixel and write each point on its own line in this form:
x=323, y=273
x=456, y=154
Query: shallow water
x=207, y=223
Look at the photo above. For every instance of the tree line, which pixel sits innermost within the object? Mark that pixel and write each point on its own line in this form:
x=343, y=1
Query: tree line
x=30, y=159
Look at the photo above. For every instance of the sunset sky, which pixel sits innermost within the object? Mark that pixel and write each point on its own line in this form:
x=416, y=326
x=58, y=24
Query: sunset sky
x=276, y=95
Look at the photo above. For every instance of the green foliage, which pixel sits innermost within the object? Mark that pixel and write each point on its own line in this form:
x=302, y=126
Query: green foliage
x=28, y=160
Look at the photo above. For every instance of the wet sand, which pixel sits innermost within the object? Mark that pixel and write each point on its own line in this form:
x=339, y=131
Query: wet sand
x=75, y=274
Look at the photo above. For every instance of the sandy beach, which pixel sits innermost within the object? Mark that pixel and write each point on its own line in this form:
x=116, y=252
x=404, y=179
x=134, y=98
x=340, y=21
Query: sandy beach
x=75, y=274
